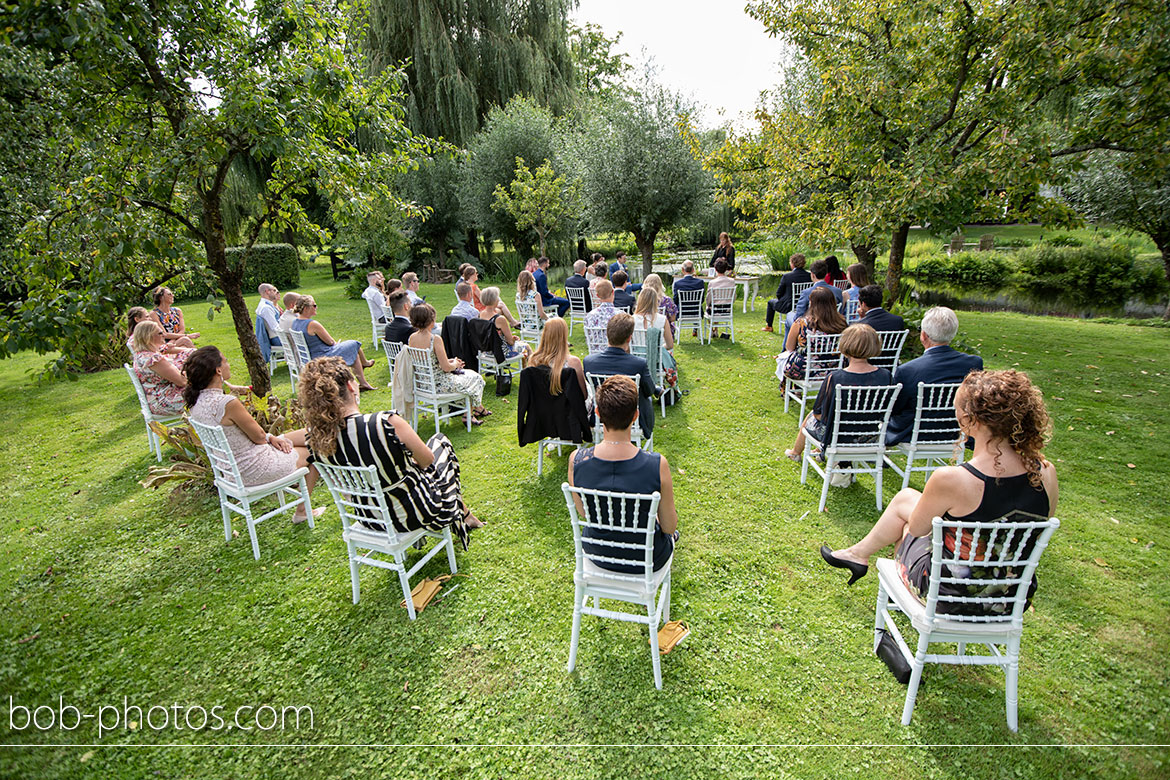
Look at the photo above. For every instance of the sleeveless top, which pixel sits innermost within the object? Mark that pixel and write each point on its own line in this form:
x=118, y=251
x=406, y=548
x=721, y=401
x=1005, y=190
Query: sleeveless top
x=639, y=474
x=170, y=320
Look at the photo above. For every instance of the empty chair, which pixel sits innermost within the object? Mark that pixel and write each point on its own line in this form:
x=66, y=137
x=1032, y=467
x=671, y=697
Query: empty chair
x=955, y=245
x=935, y=437
x=987, y=242
x=235, y=496
x=892, y=343
x=721, y=301
x=993, y=565
x=690, y=311
x=578, y=307
x=148, y=416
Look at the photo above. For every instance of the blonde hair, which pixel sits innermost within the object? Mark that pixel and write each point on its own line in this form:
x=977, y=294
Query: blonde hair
x=322, y=394
x=524, y=282
x=304, y=302
x=860, y=341
x=654, y=282
x=552, y=352
x=604, y=290
x=647, y=306
x=144, y=333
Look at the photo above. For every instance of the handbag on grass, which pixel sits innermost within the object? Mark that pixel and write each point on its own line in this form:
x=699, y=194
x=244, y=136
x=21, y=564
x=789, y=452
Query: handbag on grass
x=891, y=655
x=503, y=383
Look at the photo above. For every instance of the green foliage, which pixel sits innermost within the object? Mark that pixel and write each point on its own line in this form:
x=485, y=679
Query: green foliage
x=599, y=70
x=1018, y=242
x=435, y=187
x=1062, y=239
x=1091, y=277
x=779, y=250
x=921, y=248
x=275, y=264
x=968, y=268
x=540, y=201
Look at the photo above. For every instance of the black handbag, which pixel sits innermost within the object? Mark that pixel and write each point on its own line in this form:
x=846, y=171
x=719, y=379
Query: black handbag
x=503, y=383
x=891, y=654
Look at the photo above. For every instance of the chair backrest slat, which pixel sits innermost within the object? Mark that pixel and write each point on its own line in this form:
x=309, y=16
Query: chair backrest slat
x=610, y=522
x=797, y=289
x=577, y=307
x=690, y=305
x=597, y=339
x=852, y=314
x=824, y=356
x=841, y=284
x=219, y=454
x=425, y=380
x=892, y=342
x=138, y=390
x=302, y=348
x=934, y=418
x=359, y=498
x=861, y=414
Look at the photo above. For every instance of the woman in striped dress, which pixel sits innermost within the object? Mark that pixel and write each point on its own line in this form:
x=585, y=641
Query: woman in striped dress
x=420, y=479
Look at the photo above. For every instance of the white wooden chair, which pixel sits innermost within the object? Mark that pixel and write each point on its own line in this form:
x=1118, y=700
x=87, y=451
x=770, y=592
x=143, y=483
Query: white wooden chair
x=359, y=497
x=852, y=315
x=690, y=312
x=577, y=306
x=376, y=327
x=722, y=303
x=935, y=438
x=301, y=347
x=860, y=416
x=634, y=517
x=291, y=358
x=797, y=289
x=148, y=416
x=823, y=358
x=592, y=382
x=427, y=397
x=841, y=284
x=638, y=347
x=530, y=324
x=392, y=349
x=596, y=339
x=892, y=343
x=231, y=486
x=1007, y=552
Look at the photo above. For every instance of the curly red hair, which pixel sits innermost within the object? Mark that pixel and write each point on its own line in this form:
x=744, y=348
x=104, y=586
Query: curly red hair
x=1012, y=409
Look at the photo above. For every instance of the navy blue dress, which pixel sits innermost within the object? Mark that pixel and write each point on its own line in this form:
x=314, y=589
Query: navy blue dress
x=639, y=474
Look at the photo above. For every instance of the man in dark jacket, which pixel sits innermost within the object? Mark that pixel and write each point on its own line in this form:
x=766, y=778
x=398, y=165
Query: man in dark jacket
x=869, y=306
x=782, y=303
x=398, y=329
x=616, y=359
x=578, y=280
x=622, y=299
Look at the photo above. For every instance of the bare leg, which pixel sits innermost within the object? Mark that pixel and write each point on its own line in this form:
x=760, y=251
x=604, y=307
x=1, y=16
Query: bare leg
x=798, y=445
x=889, y=529
x=508, y=315
x=360, y=373
x=310, y=479
x=362, y=359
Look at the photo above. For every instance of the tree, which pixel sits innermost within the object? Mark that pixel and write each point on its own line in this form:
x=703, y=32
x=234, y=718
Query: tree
x=1114, y=188
x=177, y=94
x=539, y=201
x=521, y=130
x=638, y=167
x=600, y=72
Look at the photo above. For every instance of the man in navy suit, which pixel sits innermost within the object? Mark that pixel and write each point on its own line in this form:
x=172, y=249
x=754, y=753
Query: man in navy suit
x=689, y=281
x=869, y=306
x=820, y=274
x=782, y=303
x=398, y=329
x=939, y=363
x=619, y=264
x=547, y=299
x=578, y=280
x=616, y=359
x=622, y=299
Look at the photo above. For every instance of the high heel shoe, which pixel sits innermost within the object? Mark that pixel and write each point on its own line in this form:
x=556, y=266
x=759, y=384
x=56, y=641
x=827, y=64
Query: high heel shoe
x=858, y=569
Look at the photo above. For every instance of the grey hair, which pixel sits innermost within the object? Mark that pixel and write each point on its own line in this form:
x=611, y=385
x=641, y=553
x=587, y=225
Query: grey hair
x=940, y=325
x=489, y=296
x=578, y=266
x=262, y=289
x=688, y=266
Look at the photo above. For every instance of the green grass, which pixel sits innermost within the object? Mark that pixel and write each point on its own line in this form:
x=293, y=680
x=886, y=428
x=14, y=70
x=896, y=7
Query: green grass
x=113, y=591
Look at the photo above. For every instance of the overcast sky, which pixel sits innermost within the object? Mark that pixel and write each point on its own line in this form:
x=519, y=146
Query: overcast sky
x=710, y=49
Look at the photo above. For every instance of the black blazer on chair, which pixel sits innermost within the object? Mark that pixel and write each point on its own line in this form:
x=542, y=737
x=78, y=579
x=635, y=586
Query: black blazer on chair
x=457, y=342
x=540, y=415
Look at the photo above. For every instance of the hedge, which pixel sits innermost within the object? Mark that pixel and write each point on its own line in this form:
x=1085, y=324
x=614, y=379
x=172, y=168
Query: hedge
x=276, y=264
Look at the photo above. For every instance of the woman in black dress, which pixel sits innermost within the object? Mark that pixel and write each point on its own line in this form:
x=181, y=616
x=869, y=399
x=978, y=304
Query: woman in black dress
x=726, y=251
x=1007, y=476
x=420, y=479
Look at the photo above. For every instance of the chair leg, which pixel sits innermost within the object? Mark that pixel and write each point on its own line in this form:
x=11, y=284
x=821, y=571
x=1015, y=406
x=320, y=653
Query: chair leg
x=655, y=657
x=449, y=543
x=1011, y=684
x=405, y=583
x=305, y=502
x=878, y=479
x=251, y=530
x=539, y=457
x=906, y=474
x=879, y=618
x=353, y=572
x=784, y=389
x=666, y=606
x=915, y=678
x=825, y=485
x=578, y=604
x=962, y=649
x=227, y=517
x=804, y=456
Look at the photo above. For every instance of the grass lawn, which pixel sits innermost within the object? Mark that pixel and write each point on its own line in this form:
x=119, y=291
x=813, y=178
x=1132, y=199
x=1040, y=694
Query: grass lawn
x=112, y=591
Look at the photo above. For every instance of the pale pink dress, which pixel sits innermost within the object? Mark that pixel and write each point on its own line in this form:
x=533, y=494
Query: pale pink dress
x=258, y=463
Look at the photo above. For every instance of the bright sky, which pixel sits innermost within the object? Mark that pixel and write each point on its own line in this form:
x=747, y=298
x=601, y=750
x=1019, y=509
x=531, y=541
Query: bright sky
x=708, y=49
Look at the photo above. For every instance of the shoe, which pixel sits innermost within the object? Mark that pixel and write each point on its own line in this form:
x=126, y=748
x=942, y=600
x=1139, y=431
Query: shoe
x=695, y=333
x=300, y=518
x=793, y=455
x=724, y=335
x=767, y=329
x=858, y=569
x=841, y=480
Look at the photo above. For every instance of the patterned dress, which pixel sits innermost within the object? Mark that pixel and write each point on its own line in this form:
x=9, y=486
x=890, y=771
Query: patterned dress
x=418, y=498
x=668, y=307
x=468, y=382
x=162, y=397
x=170, y=319
x=258, y=463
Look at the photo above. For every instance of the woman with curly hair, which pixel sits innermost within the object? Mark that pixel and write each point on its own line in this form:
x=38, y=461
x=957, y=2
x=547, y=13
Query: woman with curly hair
x=420, y=479
x=1004, y=413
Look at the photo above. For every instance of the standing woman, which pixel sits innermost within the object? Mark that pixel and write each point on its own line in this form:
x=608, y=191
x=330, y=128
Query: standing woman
x=725, y=251
x=419, y=479
x=321, y=344
x=169, y=316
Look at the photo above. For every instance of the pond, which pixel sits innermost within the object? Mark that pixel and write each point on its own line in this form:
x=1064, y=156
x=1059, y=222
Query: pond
x=976, y=298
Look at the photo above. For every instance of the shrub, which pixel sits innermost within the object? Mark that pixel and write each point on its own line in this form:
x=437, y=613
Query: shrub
x=779, y=250
x=276, y=264
x=1013, y=243
x=1063, y=239
x=923, y=247
x=969, y=268
x=1096, y=276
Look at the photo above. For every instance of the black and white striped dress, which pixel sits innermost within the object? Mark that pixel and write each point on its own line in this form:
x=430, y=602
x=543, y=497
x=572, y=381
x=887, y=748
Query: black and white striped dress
x=418, y=498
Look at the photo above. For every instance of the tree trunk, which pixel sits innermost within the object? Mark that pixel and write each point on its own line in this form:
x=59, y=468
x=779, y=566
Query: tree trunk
x=894, y=270
x=472, y=244
x=1163, y=243
x=645, y=244
x=543, y=244
x=582, y=248
x=214, y=244
x=866, y=254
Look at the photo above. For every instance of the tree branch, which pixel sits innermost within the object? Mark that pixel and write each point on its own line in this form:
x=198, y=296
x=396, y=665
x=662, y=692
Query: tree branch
x=168, y=211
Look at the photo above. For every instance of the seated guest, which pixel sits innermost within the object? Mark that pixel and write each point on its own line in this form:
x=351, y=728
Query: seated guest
x=616, y=359
x=464, y=308
x=547, y=299
x=820, y=276
x=603, y=309
x=578, y=280
x=137, y=314
x=398, y=330
x=939, y=363
x=269, y=313
x=622, y=298
x=720, y=280
x=647, y=317
x=553, y=351
x=161, y=377
x=858, y=276
x=321, y=344
x=666, y=304
x=410, y=283
x=600, y=272
x=858, y=343
x=618, y=264
x=390, y=285
x=493, y=312
x=375, y=296
x=526, y=291
x=471, y=276
x=835, y=273
x=872, y=313
x=782, y=303
x=531, y=265
x=822, y=317
x=289, y=315
x=618, y=466
x=688, y=281
x=420, y=480
x=169, y=316
x=1007, y=476
x=260, y=456
x=450, y=376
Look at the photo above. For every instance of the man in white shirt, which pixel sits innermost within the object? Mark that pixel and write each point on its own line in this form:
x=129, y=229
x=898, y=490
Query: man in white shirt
x=464, y=308
x=375, y=296
x=410, y=284
x=268, y=312
x=288, y=316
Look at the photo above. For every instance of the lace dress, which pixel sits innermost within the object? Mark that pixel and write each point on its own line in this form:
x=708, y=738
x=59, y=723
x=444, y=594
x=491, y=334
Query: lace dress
x=467, y=382
x=258, y=463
